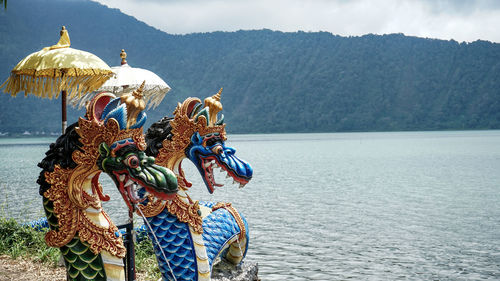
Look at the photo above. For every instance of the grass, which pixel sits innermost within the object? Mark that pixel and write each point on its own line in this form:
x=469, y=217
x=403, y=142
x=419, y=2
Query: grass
x=145, y=260
x=22, y=241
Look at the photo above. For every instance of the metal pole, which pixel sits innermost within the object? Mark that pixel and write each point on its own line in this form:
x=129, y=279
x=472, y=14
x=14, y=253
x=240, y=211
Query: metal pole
x=63, y=111
x=131, y=247
x=128, y=240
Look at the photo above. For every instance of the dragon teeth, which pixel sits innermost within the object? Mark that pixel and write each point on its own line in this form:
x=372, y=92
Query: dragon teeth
x=129, y=182
x=122, y=178
x=207, y=164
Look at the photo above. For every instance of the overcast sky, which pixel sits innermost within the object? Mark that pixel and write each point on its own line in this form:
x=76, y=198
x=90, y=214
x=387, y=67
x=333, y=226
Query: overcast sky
x=461, y=20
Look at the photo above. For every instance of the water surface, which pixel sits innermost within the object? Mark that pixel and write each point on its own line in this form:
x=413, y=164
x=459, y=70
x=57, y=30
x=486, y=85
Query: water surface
x=361, y=206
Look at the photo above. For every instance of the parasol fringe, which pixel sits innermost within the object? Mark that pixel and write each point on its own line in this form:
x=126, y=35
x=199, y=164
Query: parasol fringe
x=49, y=83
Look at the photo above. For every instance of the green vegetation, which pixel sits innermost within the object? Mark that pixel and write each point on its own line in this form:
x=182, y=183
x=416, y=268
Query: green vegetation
x=22, y=241
x=273, y=81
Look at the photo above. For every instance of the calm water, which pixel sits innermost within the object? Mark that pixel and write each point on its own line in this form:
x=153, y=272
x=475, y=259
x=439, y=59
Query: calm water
x=361, y=206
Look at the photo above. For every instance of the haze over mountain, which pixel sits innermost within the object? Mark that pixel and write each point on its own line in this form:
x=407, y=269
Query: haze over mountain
x=273, y=81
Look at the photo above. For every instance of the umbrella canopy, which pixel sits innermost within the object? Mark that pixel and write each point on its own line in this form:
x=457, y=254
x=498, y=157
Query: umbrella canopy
x=56, y=69
x=127, y=79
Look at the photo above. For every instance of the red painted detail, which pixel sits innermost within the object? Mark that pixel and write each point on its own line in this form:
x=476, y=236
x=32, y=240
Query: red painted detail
x=181, y=173
x=118, y=146
x=97, y=189
x=125, y=193
x=99, y=103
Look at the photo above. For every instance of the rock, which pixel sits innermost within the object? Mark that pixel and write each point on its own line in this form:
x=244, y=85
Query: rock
x=246, y=271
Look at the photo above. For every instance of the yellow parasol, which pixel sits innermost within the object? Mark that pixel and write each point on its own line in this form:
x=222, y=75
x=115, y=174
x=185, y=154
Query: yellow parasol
x=58, y=69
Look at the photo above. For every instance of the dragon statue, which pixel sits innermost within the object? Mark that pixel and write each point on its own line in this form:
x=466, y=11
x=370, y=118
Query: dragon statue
x=190, y=236
x=108, y=139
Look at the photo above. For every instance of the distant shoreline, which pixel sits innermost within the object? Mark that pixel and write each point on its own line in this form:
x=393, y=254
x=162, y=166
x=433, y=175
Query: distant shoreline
x=7, y=135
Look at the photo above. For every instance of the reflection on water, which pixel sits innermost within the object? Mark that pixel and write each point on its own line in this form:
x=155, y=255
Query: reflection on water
x=386, y=206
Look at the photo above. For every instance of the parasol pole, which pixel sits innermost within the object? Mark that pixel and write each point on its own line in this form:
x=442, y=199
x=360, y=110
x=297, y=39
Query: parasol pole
x=63, y=111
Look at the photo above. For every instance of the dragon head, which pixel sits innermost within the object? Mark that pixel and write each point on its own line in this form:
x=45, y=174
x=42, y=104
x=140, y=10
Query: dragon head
x=108, y=139
x=209, y=152
x=131, y=169
x=196, y=133
x=123, y=157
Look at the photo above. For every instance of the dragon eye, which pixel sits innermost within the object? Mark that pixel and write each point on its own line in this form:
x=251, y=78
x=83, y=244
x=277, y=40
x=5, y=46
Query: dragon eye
x=217, y=149
x=132, y=161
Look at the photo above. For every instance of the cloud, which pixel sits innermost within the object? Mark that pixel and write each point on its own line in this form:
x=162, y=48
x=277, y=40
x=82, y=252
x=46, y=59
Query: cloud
x=462, y=20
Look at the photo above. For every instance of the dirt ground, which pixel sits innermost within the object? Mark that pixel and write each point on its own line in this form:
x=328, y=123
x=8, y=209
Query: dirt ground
x=22, y=270
x=27, y=270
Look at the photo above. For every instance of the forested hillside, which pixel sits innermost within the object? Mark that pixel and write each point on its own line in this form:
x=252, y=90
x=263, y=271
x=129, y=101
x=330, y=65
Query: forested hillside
x=273, y=81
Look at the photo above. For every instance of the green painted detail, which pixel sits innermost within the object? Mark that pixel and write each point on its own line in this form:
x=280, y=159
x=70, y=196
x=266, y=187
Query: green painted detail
x=96, y=266
x=88, y=259
x=138, y=166
x=69, y=256
x=79, y=248
x=149, y=177
x=159, y=178
x=49, y=213
x=81, y=263
x=90, y=273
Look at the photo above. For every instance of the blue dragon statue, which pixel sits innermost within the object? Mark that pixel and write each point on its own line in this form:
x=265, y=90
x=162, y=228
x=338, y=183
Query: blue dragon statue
x=108, y=139
x=190, y=236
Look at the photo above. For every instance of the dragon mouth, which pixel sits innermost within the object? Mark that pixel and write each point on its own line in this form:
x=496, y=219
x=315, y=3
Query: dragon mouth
x=210, y=166
x=131, y=190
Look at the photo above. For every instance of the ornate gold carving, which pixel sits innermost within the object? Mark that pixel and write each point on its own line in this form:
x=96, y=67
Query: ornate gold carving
x=182, y=129
x=153, y=208
x=156, y=206
x=68, y=194
x=101, y=238
x=172, y=153
x=185, y=212
x=214, y=106
x=235, y=214
x=135, y=104
x=72, y=219
x=66, y=214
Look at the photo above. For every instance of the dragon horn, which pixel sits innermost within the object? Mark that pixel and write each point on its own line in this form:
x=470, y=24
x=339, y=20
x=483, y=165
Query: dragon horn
x=217, y=96
x=214, y=106
x=138, y=92
x=135, y=104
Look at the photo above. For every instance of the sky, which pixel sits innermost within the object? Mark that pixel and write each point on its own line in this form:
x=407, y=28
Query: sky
x=460, y=20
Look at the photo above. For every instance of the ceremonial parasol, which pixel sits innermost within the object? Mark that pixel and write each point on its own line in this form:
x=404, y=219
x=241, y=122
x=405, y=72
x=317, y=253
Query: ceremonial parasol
x=58, y=69
x=127, y=79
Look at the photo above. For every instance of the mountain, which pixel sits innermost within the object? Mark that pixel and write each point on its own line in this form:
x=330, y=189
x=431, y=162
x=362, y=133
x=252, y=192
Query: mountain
x=273, y=81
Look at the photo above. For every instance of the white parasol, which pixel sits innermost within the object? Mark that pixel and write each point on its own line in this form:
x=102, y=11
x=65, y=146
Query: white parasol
x=127, y=79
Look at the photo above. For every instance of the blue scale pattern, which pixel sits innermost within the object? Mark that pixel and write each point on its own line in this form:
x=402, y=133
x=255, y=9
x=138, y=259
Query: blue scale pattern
x=177, y=244
x=218, y=228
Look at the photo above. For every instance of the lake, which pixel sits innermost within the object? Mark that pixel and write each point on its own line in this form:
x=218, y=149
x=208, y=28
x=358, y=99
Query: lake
x=361, y=206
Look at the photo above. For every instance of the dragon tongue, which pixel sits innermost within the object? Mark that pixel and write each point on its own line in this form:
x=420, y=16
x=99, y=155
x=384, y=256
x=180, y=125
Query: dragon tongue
x=131, y=190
